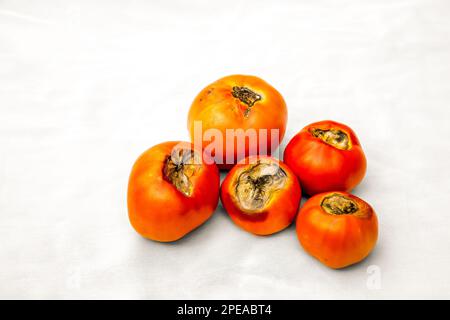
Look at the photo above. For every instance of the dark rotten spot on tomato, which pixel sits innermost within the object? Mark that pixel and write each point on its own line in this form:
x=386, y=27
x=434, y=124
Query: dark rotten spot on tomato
x=179, y=167
x=334, y=137
x=338, y=204
x=256, y=185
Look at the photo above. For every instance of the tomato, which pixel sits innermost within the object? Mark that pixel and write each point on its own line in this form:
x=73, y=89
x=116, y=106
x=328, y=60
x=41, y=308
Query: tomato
x=326, y=156
x=337, y=228
x=253, y=112
x=261, y=195
x=171, y=191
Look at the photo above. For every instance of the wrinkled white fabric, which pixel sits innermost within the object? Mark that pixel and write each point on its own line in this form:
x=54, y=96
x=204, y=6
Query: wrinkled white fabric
x=86, y=87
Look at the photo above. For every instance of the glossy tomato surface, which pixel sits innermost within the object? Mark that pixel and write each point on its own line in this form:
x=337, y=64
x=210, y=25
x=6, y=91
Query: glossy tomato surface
x=261, y=195
x=172, y=190
x=326, y=156
x=238, y=102
x=337, y=228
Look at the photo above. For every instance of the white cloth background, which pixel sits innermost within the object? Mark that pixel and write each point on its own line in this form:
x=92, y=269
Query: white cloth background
x=87, y=86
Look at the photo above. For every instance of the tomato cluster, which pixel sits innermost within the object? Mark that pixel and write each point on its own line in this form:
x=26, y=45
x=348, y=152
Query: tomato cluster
x=235, y=124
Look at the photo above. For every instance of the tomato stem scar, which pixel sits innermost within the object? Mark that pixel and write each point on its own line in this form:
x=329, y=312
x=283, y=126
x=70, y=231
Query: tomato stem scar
x=246, y=96
x=256, y=185
x=334, y=137
x=179, y=167
x=338, y=204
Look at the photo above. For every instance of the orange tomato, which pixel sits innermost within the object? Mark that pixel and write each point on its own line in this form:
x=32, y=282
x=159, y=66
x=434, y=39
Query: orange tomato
x=171, y=191
x=238, y=102
x=326, y=156
x=261, y=195
x=337, y=228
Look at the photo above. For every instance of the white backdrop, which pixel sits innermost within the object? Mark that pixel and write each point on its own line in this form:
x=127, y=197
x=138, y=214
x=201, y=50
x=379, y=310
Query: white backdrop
x=85, y=88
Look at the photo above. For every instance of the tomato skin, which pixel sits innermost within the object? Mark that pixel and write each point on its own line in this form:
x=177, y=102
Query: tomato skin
x=281, y=210
x=217, y=108
x=321, y=167
x=336, y=240
x=160, y=212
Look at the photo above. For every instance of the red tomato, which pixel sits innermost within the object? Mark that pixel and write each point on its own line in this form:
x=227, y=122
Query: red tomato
x=337, y=228
x=241, y=109
x=326, y=156
x=172, y=190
